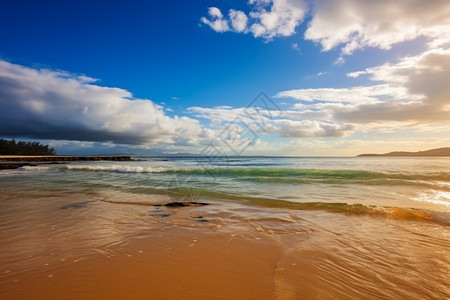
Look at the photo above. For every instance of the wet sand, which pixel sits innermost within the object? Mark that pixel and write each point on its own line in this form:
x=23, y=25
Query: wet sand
x=96, y=249
x=182, y=266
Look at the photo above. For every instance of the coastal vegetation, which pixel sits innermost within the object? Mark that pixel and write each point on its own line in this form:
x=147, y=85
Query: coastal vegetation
x=13, y=147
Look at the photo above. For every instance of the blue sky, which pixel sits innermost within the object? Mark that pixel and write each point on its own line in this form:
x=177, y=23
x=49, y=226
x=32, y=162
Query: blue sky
x=167, y=77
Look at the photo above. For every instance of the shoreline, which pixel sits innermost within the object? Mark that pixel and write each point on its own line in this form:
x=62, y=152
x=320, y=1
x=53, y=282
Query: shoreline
x=119, y=230
x=45, y=158
x=9, y=162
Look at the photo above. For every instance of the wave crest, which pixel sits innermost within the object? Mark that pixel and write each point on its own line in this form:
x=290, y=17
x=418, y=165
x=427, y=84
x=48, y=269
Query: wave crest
x=117, y=168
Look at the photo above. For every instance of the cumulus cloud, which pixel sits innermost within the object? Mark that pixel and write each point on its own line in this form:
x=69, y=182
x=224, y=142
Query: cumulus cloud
x=282, y=124
x=238, y=20
x=349, y=24
x=359, y=94
x=356, y=24
x=281, y=19
x=46, y=104
x=217, y=22
x=217, y=114
x=310, y=129
x=267, y=18
x=425, y=75
x=412, y=91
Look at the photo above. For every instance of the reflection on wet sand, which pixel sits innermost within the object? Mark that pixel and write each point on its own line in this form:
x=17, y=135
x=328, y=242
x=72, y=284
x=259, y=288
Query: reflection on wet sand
x=84, y=247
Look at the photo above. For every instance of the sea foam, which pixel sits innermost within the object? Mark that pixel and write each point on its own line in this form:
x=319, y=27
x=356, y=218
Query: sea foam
x=118, y=168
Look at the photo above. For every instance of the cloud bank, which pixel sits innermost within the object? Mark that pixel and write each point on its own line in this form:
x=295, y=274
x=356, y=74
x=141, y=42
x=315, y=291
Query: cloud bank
x=350, y=24
x=356, y=24
x=280, y=123
x=45, y=104
x=412, y=92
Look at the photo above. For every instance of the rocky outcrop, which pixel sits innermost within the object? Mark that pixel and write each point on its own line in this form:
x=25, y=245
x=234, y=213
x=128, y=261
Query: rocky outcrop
x=8, y=162
x=10, y=166
x=63, y=158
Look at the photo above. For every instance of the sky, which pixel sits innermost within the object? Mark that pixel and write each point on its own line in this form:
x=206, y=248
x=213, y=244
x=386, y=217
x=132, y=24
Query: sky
x=257, y=77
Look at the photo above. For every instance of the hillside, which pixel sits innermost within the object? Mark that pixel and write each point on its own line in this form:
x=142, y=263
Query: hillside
x=433, y=152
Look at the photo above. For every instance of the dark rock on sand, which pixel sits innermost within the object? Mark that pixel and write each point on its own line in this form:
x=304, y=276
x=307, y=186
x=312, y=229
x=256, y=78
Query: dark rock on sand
x=202, y=219
x=160, y=215
x=183, y=204
x=76, y=205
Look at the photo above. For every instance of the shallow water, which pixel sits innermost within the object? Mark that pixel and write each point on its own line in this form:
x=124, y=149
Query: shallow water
x=294, y=228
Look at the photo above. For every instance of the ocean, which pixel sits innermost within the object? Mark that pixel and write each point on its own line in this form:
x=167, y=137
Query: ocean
x=356, y=227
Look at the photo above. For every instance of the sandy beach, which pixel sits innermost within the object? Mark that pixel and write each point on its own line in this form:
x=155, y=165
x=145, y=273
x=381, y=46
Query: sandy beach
x=129, y=230
x=225, y=250
x=174, y=266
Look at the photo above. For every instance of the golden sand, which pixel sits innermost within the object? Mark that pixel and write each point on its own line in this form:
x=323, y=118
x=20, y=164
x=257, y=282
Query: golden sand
x=226, y=250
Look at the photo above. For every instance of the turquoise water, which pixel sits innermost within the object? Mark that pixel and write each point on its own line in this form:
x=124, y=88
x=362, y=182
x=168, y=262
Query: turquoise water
x=421, y=184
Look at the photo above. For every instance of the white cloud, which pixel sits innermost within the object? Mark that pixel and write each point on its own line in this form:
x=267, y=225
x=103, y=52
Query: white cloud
x=310, y=129
x=349, y=24
x=359, y=94
x=217, y=22
x=356, y=24
x=45, y=104
x=238, y=20
x=86, y=79
x=217, y=114
x=215, y=12
x=296, y=47
x=266, y=122
x=339, y=61
x=411, y=92
x=281, y=20
x=267, y=19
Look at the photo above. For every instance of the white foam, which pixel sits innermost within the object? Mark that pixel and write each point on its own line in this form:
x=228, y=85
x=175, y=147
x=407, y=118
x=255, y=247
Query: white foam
x=34, y=168
x=118, y=168
x=435, y=197
x=443, y=184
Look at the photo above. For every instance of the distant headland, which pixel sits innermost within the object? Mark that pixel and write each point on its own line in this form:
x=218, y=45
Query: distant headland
x=428, y=153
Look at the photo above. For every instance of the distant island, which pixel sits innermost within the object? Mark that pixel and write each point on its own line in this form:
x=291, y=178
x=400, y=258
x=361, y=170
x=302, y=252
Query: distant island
x=433, y=152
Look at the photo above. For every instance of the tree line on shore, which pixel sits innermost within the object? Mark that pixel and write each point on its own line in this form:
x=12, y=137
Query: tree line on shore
x=11, y=147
